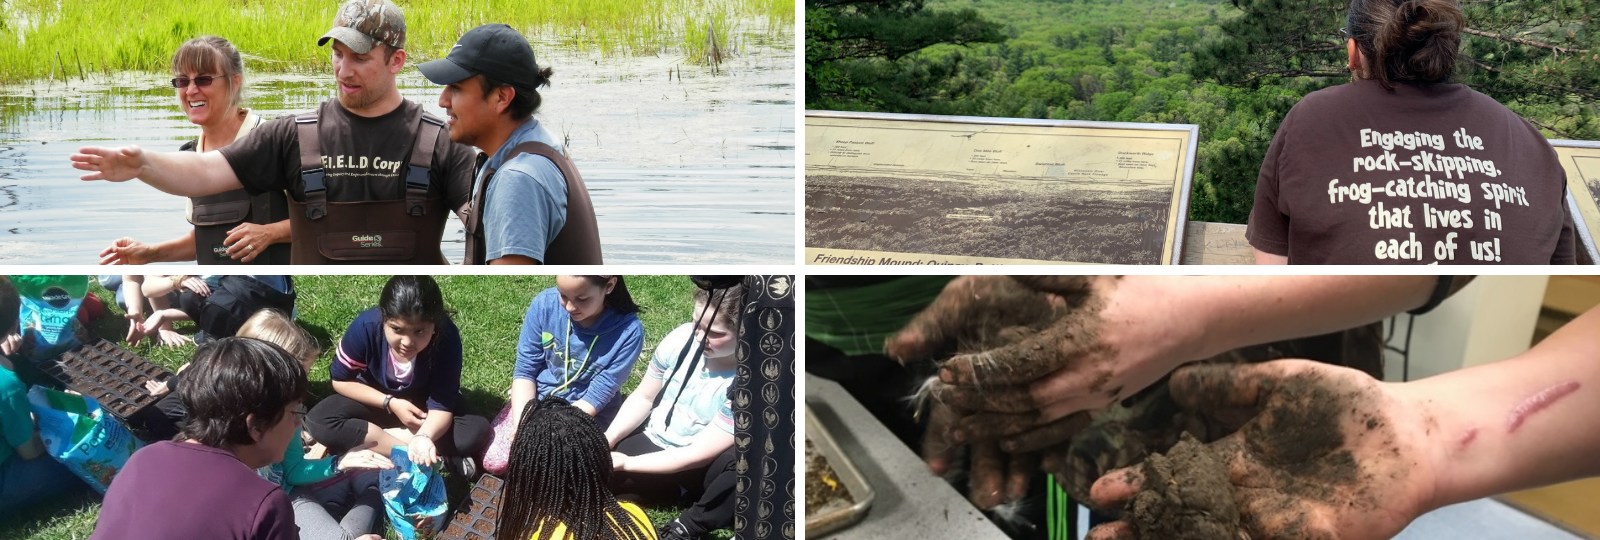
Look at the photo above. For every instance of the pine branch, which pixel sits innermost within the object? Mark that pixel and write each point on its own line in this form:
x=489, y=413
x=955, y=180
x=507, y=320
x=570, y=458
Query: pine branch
x=1523, y=41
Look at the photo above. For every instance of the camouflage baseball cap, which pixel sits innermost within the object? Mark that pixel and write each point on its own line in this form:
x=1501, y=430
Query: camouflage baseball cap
x=360, y=24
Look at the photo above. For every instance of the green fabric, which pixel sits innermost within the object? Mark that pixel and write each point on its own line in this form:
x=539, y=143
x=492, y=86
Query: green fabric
x=15, y=423
x=857, y=320
x=299, y=471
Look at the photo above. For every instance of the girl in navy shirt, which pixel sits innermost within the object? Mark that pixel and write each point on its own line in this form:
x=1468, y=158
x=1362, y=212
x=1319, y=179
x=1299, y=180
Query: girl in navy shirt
x=399, y=365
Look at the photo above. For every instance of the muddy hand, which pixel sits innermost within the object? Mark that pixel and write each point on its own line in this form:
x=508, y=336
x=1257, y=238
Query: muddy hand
x=1329, y=453
x=998, y=478
x=1124, y=336
x=1004, y=413
x=114, y=164
x=972, y=313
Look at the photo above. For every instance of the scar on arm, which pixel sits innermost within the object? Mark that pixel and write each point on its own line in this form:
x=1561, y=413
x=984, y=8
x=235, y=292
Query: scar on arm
x=1538, y=402
x=1466, y=440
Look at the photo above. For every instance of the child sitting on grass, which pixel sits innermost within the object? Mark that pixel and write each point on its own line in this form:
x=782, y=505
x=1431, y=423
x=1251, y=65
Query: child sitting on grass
x=580, y=340
x=686, y=447
x=556, y=487
x=399, y=365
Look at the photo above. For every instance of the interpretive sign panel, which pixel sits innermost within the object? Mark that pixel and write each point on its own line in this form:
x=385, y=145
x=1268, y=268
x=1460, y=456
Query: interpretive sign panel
x=1581, y=159
x=884, y=189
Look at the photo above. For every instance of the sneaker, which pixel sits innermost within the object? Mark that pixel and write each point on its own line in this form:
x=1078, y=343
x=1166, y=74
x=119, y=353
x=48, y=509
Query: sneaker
x=676, y=530
x=464, y=466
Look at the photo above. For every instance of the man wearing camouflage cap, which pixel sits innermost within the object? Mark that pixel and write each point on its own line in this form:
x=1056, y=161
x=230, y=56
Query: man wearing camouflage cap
x=371, y=176
x=529, y=205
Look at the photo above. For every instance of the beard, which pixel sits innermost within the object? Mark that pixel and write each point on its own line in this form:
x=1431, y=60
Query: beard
x=360, y=100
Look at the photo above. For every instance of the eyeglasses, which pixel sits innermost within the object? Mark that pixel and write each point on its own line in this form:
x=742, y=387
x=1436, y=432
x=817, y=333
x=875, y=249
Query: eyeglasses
x=300, y=411
x=1344, y=32
x=201, y=81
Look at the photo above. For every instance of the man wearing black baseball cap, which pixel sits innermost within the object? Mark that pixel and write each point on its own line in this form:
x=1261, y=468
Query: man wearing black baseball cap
x=529, y=205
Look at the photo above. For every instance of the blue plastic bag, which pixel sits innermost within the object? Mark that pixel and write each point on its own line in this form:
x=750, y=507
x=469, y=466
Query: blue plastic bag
x=49, y=313
x=413, y=497
x=76, y=432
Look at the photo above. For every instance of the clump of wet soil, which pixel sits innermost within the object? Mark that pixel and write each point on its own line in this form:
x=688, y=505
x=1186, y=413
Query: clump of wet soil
x=824, y=491
x=1303, y=435
x=1185, y=495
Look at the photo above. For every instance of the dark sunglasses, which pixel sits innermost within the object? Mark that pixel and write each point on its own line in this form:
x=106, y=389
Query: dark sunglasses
x=201, y=81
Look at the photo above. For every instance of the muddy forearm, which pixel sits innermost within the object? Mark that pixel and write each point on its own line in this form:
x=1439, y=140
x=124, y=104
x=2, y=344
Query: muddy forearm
x=188, y=174
x=1238, y=311
x=1518, y=423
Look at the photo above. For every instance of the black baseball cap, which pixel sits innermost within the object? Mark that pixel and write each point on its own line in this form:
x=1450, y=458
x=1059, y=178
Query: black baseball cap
x=494, y=50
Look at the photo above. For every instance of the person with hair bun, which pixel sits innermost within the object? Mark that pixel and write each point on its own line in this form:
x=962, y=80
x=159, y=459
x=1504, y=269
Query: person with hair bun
x=1405, y=166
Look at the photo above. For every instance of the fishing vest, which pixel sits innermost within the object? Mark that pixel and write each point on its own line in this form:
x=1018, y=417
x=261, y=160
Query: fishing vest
x=579, y=240
x=401, y=231
x=214, y=215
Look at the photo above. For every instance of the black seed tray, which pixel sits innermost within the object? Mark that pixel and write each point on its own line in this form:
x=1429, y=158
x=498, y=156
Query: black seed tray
x=476, y=520
x=109, y=374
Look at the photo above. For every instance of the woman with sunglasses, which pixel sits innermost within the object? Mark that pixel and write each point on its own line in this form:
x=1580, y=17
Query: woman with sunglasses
x=232, y=227
x=1404, y=166
x=580, y=339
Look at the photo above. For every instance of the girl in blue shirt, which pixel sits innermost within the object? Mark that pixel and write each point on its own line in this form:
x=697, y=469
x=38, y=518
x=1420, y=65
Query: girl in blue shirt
x=580, y=339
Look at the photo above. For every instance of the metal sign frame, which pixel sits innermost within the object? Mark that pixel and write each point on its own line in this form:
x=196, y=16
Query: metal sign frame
x=1586, y=214
x=1174, y=229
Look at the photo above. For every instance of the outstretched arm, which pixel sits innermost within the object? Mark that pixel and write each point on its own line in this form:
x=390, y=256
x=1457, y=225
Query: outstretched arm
x=189, y=174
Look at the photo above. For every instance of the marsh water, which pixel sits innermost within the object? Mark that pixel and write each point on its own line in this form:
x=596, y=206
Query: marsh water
x=685, y=164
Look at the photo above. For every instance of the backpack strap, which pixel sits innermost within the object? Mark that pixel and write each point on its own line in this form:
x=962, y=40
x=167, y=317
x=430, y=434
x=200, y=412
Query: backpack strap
x=311, y=171
x=418, y=172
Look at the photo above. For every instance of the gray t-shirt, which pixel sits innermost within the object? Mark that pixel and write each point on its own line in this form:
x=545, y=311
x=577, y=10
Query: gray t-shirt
x=526, y=205
x=183, y=490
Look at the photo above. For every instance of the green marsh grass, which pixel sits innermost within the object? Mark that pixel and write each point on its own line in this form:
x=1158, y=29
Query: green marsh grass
x=487, y=309
x=72, y=39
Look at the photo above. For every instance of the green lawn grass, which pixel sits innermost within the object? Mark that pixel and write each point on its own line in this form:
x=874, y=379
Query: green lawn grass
x=487, y=309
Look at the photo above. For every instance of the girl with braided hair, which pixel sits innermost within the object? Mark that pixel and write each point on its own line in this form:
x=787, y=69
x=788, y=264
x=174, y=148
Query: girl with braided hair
x=556, y=484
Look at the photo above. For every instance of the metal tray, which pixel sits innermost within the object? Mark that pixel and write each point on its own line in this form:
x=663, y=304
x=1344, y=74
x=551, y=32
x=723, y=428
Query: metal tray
x=832, y=520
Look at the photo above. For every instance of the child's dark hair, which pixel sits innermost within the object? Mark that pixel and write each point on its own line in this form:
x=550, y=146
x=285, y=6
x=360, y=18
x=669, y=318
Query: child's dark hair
x=619, y=299
x=1407, y=40
x=412, y=298
x=234, y=377
x=559, y=472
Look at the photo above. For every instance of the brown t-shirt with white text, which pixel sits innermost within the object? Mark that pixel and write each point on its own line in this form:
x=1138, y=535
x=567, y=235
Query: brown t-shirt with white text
x=364, y=159
x=1435, y=173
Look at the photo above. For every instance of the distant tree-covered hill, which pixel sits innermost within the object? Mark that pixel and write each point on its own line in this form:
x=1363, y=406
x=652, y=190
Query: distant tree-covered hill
x=1232, y=67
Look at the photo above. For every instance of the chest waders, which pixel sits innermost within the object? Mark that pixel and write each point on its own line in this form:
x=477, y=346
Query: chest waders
x=579, y=240
x=399, y=231
x=214, y=216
